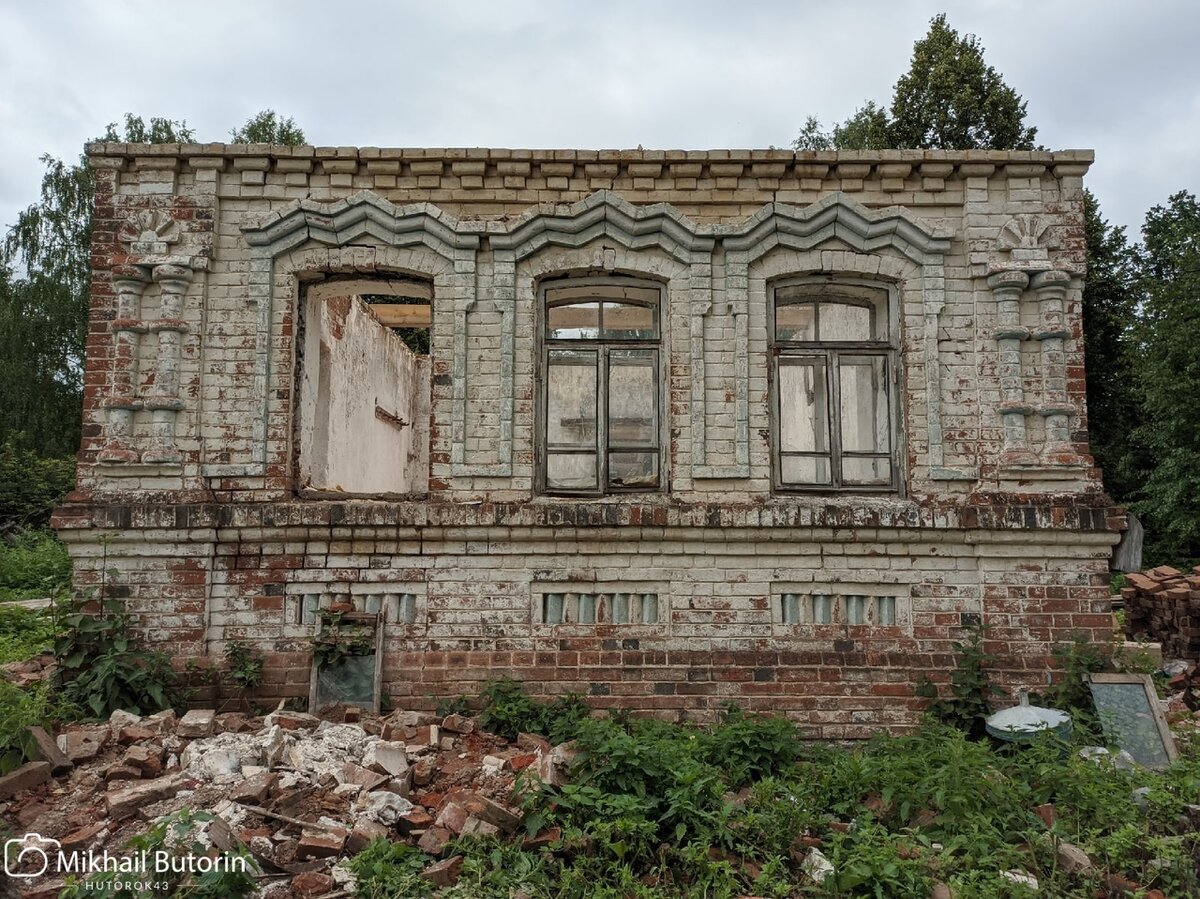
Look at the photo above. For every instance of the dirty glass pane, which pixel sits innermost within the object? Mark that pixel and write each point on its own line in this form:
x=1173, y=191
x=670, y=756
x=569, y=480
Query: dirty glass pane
x=856, y=609
x=633, y=469
x=803, y=405
x=822, y=608
x=841, y=321
x=571, y=398
x=864, y=406
x=1129, y=722
x=627, y=322
x=350, y=681
x=632, y=398
x=552, y=608
x=795, y=321
x=578, y=321
x=571, y=471
x=805, y=470
x=885, y=610
x=865, y=471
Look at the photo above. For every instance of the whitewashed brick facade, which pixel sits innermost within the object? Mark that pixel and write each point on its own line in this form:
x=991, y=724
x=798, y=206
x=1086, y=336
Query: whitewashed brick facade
x=692, y=594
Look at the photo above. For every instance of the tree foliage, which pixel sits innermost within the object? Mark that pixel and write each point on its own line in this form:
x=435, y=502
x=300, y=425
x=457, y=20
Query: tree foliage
x=948, y=99
x=45, y=278
x=268, y=128
x=1168, y=375
x=951, y=99
x=1110, y=306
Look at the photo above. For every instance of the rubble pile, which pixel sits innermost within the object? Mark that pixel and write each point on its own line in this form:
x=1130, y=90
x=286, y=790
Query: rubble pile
x=1164, y=604
x=295, y=791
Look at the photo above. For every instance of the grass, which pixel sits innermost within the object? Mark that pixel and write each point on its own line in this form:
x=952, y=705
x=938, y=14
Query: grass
x=662, y=810
x=24, y=633
x=34, y=565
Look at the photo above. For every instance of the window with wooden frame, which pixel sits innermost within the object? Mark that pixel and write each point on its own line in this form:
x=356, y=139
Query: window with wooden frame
x=833, y=368
x=601, y=387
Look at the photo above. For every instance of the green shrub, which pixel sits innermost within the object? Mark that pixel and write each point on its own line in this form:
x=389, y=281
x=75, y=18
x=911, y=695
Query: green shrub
x=508, y=710
x=387, y=870
x=34, y=565
x=24, y=633
x=101, y=668
x=21, y=709
x=970, y=688
x=751, y=747
x=243, y=665
x=31, y=486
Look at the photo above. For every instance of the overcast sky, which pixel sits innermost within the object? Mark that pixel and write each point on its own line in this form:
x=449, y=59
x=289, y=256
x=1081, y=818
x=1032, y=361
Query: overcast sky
x=1122, y=78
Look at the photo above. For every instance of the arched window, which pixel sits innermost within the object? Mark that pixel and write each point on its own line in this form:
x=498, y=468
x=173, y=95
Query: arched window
x=601, y=386
x=834, y=361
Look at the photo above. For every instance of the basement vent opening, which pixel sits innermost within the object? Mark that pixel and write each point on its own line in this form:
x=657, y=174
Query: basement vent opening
x=395, y=608
x=828, y=608
x=600, y=608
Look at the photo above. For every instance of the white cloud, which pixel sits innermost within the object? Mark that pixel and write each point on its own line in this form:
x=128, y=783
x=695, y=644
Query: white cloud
x=1108, y=75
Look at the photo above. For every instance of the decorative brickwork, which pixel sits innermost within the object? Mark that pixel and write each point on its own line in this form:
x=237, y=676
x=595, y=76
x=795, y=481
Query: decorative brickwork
x=216, y=310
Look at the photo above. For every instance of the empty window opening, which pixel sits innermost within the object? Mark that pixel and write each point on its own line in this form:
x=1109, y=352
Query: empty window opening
x=364, y=388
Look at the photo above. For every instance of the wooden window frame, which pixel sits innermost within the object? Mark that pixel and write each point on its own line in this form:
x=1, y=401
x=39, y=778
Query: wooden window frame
x=830, y=352
x=603, y=348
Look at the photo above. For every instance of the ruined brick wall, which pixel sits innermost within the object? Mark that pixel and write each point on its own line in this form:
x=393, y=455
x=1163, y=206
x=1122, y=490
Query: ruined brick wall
x=203, y=258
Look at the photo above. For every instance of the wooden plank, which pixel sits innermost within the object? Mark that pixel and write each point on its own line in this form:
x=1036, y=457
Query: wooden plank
x=396, y=315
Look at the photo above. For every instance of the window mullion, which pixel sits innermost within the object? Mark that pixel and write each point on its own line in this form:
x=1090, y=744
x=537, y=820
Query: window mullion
x=602, y=402
x=833, y=390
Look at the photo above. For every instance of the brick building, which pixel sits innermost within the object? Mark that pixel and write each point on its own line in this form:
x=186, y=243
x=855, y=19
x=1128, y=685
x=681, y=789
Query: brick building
x=665, y=428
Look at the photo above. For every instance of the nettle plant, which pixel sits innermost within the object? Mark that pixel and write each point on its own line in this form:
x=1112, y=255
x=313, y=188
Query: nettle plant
x=102, y=667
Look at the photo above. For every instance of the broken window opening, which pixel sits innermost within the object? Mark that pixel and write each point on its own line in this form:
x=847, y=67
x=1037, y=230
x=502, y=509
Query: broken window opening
x=363, y=403
x=833, y=373
x=410, y=318
x=347, y=656
x=601, y=388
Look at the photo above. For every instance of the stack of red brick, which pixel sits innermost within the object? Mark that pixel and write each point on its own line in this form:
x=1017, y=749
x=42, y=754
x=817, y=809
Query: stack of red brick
x=1164, y=605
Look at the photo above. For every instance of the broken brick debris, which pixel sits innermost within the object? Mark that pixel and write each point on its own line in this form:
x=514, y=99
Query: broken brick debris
x=297, y=791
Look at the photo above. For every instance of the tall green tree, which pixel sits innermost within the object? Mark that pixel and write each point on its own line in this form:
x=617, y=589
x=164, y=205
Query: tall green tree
x=268, y=128
x=948, y=99
x=1110, y=309
x=1168, y=377
x=45, y=278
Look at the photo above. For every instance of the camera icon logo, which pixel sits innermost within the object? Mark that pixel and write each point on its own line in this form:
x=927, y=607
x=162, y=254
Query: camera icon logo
x=33, y=850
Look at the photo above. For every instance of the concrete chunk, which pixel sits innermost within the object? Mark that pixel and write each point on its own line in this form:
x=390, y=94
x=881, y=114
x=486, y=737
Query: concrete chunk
x=125, y=801
x=197, y=723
